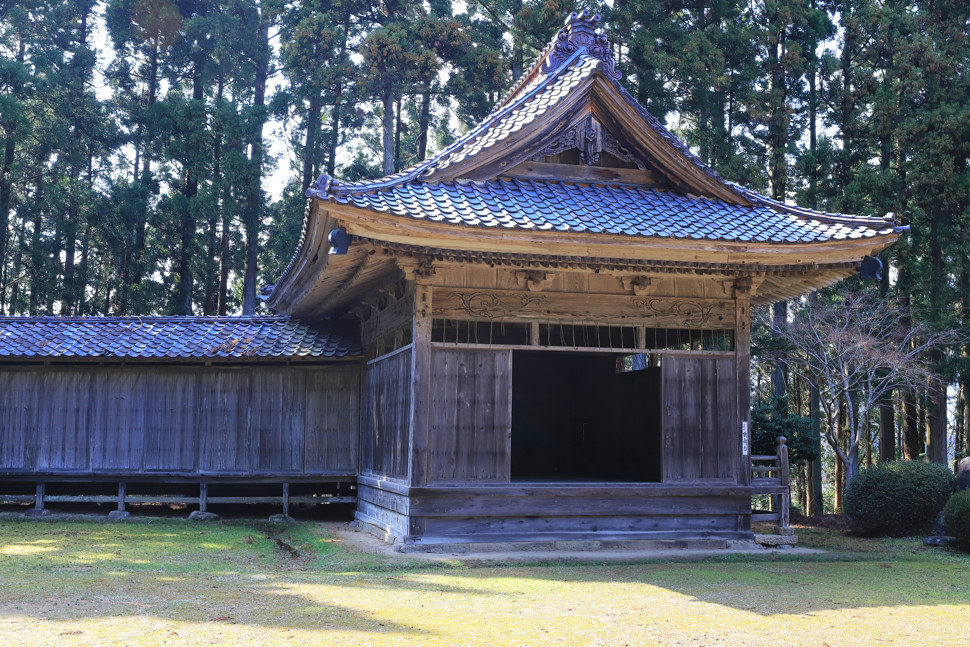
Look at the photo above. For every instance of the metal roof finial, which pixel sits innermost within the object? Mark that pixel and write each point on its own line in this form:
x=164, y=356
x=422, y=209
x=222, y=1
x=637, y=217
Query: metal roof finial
x=580, y=32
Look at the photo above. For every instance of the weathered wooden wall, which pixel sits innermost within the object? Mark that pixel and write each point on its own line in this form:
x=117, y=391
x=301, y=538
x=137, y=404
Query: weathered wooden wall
x=700, y=418
x=259, y=421
x=471, y=415
x=576, y=511
x=385, y=416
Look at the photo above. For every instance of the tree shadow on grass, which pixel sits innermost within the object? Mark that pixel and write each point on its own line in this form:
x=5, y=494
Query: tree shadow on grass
x=181, y=572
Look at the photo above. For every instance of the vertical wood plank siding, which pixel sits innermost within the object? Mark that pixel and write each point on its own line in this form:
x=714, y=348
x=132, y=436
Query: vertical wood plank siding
x=699, y=423
x=470, y=415
x=189, y=420
x=385, y=417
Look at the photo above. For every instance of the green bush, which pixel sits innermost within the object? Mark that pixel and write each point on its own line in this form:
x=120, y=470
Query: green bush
x=956, y=517
x=897, y=499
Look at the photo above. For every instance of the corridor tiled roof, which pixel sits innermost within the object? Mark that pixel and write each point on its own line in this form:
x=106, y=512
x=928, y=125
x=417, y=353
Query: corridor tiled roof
x=173, y=338
x=605, y=209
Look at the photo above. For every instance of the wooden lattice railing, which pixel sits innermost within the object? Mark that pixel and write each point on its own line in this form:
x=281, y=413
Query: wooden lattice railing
x=770, y=475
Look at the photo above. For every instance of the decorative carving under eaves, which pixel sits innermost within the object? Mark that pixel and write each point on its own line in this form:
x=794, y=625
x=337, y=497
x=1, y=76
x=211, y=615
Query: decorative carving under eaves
x=694, y=313
x=487, y=305
x=612, y=146
x=580, y=32
x=591, y=139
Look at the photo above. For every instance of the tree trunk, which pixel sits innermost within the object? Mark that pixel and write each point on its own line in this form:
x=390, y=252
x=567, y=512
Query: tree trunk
x=224, y=258
x=851, y=465
x=936, y=449
x=310, y=143
x=210, y=301
x=964, y=283
x=779, y=377
x=335, y=112
x=254, y=193
x=777, y=111
x=387, y=134
x=936, y=446
x=397, y=135
x=36, y=259
x=6, y=191
x=183, y=302
x=141, y=235
x=815, y=501
x=424, y=123
x=839, y=483
x=518, y=46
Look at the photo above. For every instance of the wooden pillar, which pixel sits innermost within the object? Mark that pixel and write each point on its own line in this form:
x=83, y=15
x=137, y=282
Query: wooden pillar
x=742, y=345
x=122, y=494
x=38, y=510
x=420, y=381
x=203, y=497
x=286, y=499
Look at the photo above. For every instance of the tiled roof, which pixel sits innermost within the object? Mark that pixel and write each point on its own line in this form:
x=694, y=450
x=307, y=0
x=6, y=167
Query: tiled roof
x=605, y=209
x=636, y=211
x=534, y=103
x=173, y=338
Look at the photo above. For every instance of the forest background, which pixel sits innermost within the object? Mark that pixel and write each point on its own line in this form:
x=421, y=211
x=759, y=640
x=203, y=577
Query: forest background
x=136, y=175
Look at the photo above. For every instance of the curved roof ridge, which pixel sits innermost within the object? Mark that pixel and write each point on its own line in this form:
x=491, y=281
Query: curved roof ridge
x=887, y=220
x=325, y=185
x=578, y=31
x=578, y=39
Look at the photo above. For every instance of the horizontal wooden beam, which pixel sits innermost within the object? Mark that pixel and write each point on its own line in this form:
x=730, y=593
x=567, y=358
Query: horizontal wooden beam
x=584, y=174
x=658, y=312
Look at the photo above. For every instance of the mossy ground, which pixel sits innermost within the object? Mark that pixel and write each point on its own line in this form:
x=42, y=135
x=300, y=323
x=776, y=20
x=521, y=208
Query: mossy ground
x=168, y=582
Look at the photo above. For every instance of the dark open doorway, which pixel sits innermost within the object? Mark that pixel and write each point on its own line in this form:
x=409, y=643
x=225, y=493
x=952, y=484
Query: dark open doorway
x=579, y=417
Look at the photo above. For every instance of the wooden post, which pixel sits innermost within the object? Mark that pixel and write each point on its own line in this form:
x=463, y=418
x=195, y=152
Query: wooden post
x=120, y=513
x=742, y=347
x=784, y=478
x=420, y=382
x=286, y=499
x=203, y=497
x=38, y=510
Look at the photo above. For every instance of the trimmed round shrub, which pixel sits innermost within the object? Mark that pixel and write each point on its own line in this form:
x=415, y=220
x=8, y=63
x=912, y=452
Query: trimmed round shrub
x=897, y=499
x=956, y=518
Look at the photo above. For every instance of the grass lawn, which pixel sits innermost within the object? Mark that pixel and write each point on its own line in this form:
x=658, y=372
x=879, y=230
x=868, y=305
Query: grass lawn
x=169, y=582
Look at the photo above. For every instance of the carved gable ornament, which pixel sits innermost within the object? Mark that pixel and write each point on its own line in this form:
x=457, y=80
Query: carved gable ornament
x=590, y=138
x=580, y=33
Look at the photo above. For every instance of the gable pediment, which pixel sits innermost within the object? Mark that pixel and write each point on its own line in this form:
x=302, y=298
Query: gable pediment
x=593, y=132
x=587, y=151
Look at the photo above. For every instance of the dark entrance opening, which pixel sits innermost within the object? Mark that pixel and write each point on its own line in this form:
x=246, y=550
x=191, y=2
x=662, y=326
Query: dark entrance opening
x=578, y=417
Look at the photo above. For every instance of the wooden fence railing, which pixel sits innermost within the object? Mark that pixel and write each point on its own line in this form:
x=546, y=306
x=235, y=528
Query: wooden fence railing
x=770, y=475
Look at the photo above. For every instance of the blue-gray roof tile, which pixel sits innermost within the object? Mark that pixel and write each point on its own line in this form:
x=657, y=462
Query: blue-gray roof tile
x=606, y=209
x=174, y=338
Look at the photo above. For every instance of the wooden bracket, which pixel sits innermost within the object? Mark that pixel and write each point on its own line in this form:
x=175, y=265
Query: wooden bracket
x=636, y=284
x=417, y=271
x=533, y=280
x=742, y=286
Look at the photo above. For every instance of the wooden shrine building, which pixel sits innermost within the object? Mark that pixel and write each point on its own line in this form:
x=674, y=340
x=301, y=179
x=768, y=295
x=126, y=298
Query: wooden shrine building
x=553, y=323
